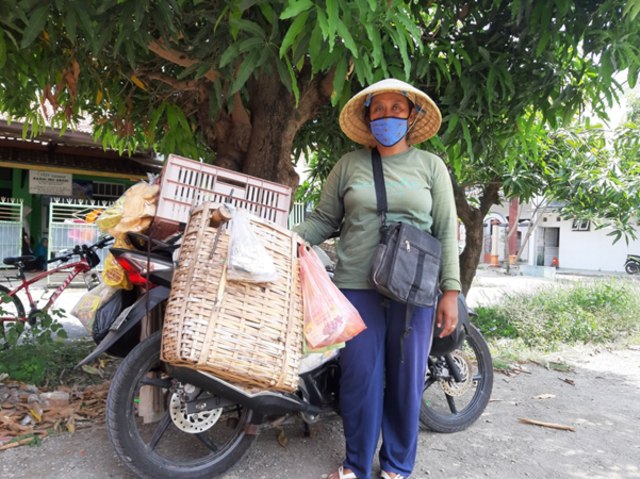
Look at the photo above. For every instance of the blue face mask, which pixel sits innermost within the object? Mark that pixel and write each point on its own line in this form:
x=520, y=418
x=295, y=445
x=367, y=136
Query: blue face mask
x=389, y=130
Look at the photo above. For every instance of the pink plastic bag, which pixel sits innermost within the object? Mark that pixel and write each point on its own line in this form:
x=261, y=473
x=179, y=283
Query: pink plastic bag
x=329, y=317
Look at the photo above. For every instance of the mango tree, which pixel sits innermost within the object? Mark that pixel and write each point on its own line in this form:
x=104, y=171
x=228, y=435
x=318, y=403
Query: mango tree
x=245, y=83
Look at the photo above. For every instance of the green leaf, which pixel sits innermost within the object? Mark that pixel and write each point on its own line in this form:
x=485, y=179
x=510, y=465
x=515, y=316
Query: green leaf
x=632, y=78
x=542, y=44
x=323, y=22
x=250, y=44
x=246, y=4
x=315, y=47
x=284, y=75
x=228, y=55
x=244, y=72
x=295, y=8
x=376, y=42
x=70, y=24
x=3, y=50
x=86, y=23
x=484, y=53
x=413, y=32
x=268, y=13
x=294, y=83
x=491, y=85
x=37, y=21
x=339, y=80
x=632, y=9
x=467, y=138
x=332, y=19
x=452, y=123
x=249, y=27
x=343, y=31
x=293, y=32
x=91, y=370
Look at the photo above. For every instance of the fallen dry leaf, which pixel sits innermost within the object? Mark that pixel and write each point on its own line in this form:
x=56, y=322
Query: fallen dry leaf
x=86, y=407
x=283, y=440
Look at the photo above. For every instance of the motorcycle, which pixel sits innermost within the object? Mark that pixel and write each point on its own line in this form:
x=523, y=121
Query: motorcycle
x=632, y=264
x=200, y=425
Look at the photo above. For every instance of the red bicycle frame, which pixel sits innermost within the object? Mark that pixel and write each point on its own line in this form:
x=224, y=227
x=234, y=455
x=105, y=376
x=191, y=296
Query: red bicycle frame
x=78, y=267
x=88, y=259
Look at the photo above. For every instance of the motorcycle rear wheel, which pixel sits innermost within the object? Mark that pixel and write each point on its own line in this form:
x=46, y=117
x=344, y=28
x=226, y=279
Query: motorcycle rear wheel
x=631, y=267
x=161, y=449
x=448, y=406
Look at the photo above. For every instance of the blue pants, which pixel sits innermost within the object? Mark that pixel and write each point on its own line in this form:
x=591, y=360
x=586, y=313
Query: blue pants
x=379, y=392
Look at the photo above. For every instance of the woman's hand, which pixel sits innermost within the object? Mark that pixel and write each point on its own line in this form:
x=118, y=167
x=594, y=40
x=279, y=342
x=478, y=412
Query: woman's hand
x=447, y=313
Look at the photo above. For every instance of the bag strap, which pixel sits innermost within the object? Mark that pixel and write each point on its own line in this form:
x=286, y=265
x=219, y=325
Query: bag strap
x=381, y=201
x=378, y=181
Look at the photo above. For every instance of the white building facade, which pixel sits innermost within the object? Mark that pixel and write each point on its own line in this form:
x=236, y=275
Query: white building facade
x=565, y=243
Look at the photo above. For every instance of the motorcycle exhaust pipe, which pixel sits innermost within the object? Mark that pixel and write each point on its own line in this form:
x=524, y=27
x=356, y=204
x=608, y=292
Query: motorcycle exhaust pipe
x=263, y=402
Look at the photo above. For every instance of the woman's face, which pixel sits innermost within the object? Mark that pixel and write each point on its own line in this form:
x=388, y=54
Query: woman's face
x=389, y=105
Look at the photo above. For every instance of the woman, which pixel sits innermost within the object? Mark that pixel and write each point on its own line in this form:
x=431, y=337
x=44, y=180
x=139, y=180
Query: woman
x=381, y=388
x=41, y=253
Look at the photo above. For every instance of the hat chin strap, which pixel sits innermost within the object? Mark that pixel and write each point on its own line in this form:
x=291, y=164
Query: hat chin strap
x=419, y=111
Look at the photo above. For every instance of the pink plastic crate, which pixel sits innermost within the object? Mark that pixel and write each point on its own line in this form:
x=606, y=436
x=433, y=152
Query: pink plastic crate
x=186, y=183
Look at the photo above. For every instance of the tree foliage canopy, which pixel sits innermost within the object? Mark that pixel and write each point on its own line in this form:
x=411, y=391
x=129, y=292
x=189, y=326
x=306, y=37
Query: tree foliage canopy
x=250, y=81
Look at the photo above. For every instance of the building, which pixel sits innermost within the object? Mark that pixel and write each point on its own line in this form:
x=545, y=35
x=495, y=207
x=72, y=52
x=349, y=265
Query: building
x=54, y=179
x=566, y=243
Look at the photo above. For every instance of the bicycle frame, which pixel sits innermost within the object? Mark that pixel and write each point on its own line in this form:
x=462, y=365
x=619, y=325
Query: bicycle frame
x=77, y=267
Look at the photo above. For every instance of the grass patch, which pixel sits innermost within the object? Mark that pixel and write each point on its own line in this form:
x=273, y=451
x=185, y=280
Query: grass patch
x=595, y=312
x=44, y=364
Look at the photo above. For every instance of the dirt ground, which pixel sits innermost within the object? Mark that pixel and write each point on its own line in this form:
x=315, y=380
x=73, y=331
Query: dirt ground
x=602, y=405
x=599, y=397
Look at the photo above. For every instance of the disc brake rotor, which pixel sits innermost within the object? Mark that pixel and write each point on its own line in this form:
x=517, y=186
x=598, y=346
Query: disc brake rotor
x=191, y=423
x=449, y=385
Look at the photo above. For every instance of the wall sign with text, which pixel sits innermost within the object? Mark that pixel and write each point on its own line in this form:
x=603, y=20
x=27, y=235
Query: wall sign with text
x=49, y=183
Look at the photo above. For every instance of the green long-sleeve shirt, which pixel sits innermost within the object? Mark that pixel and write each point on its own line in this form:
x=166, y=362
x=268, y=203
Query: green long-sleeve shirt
x=419, y=192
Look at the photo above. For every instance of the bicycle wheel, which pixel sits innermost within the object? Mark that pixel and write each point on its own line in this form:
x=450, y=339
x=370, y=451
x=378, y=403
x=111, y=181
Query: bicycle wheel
x=10, y=306
x=11, y=309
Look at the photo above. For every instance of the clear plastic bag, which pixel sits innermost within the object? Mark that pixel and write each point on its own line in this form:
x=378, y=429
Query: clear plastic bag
x=133, y=211
x=87, y=306
x=329, y=317
x=248, y=260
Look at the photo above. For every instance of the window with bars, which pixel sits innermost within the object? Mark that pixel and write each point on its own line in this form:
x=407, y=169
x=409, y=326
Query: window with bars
x=107, y=191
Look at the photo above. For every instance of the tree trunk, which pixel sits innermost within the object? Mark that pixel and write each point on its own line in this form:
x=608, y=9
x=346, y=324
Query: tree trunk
x=470, y=257
x=472, y=218
x=260, y=144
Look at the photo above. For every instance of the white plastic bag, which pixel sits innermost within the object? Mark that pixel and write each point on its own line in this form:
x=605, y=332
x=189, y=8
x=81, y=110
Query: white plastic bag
x=248, y=259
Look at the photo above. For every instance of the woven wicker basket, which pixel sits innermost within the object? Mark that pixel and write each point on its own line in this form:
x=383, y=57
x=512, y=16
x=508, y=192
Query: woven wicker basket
x=246, y=333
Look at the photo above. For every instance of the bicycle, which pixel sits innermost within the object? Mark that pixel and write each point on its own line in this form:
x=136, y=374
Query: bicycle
x=13, y=309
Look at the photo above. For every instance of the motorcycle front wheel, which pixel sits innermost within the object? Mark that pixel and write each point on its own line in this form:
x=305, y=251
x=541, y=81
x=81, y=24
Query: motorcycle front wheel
x=449, y=405
x=153, y=434
x=631, y=267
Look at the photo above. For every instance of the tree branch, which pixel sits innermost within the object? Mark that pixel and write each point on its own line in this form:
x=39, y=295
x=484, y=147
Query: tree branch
x=178, y=58
x=182, y=85
x=462, y=205
x=490, y=196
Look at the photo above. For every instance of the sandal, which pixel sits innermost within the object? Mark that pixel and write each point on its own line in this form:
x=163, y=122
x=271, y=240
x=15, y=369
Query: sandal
x=385, y=475
x=342, y=475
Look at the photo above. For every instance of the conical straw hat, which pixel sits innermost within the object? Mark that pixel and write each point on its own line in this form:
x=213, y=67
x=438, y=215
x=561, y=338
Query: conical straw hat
x=355, y=126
